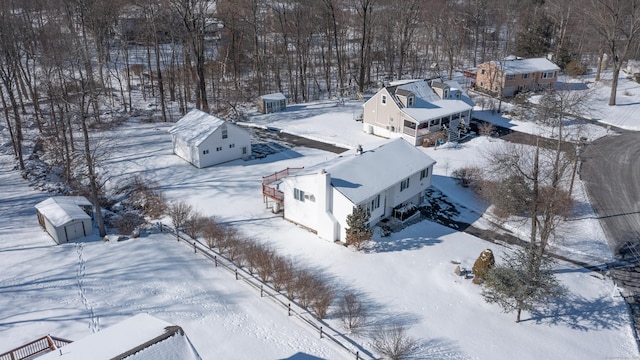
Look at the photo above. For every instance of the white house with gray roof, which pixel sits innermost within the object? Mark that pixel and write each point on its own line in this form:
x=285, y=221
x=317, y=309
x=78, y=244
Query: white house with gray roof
x=412, y=109
x=205, y=140
x=381, y=180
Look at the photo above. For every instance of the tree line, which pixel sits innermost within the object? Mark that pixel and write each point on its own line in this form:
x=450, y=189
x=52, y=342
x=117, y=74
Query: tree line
x=67, y=66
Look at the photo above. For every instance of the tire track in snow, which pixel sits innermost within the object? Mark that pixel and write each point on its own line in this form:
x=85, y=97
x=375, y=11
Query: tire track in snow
x=94, y=321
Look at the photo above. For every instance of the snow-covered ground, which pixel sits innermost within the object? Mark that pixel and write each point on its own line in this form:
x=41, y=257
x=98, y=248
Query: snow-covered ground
x=74, y=289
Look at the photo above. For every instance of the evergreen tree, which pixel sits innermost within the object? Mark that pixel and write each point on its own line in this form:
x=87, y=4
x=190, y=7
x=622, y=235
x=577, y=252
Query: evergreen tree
x=358, y=232
x=534, y=38
x=522, y=282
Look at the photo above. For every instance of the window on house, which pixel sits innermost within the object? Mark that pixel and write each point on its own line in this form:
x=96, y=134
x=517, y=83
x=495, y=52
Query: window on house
x=383, y=99
x=224, y=133
x=510, y=77
x=525, y=76
x=409, y=124
x=374, y=204
x=520, y=87
x=219, y=148
x=231, y=146
x=298, y=194
x=481, y=84
x=244, y=150
x=482, y=72
x=205, y=152
x=424, y=173
x=410, y=101
x=548, y=74
x=404, y=184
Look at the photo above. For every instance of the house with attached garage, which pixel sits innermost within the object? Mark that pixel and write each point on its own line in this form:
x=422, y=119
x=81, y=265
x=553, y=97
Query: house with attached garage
x=413, y=109
x=205, y=140
x=384, y=180
x=66, y=218
x=514, y=74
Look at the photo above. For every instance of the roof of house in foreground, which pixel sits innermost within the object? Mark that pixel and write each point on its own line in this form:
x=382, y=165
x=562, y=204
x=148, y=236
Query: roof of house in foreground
x=359, y=177
x=60, y=210
x=196, y=126
x=139, y=337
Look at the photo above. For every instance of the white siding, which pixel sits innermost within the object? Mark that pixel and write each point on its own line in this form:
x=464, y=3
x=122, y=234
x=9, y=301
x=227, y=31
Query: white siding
x=301, y=212
x=230, y=148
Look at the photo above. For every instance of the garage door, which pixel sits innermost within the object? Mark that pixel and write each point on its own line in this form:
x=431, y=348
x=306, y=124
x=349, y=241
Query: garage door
x=74, y=230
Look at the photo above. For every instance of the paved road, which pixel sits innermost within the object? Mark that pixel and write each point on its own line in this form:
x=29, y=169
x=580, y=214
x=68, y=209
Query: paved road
x=611, y=170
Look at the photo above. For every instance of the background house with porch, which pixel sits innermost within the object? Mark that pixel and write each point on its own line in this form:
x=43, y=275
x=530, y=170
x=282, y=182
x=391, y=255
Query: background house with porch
x=412, y=109
x=513, y=75
x=271, y=103
x=205, y=140
x=65, y=218
x=390, y=177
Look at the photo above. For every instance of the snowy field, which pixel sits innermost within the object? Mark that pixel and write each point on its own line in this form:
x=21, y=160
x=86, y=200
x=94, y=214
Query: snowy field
x=75, y=289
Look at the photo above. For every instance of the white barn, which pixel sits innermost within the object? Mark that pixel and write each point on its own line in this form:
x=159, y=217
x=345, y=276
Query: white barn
x=141, y=337
x=205, y=140
x=65, y=218
x=381, y=180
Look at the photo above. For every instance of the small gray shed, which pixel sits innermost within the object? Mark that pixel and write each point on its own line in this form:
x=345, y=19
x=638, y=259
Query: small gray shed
x=65, y=218
x=271, y=103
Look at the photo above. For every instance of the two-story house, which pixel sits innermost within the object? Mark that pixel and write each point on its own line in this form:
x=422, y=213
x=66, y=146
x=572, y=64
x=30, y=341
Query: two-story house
x=383, y=180
x=414, y=108
x=513, y=75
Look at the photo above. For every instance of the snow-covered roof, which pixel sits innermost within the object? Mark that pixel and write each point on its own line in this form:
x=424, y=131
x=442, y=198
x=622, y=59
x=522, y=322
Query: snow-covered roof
x=359, y=177
x=61, y=210
x=273, y=97
x=428, y=105
x=196, y=126
x=525, y=66
x=139, y=337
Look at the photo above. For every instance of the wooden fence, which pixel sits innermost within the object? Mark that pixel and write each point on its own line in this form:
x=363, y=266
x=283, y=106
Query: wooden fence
x=292, y=308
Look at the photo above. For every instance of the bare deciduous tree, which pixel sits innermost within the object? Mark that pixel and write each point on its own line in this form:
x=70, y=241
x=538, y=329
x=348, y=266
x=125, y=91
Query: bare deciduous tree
x=393, y=341
x=179, y=213
x=351, y=311
x=194, y=224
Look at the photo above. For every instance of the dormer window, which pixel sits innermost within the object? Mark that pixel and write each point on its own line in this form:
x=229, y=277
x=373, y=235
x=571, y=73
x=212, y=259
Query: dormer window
x=410, y=101
x=445, y=94
x=383, y=99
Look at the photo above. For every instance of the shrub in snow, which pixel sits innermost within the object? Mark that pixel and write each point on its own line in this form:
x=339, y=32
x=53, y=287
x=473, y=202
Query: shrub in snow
x=351, y=311
x=468, y=176
x=393, y=342
x=127, y=222
x=483, y=264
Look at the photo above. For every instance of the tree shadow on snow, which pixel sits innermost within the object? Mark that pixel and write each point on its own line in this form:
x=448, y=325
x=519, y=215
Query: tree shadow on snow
x=580, y=313
x=439, y=348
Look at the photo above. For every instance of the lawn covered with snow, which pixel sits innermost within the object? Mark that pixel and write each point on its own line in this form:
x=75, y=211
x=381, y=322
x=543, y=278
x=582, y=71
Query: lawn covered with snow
x=75, y=289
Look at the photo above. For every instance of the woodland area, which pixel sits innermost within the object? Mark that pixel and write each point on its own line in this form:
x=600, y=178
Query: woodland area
x=67, y=66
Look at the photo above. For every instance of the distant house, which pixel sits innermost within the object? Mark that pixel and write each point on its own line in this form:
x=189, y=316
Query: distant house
x=65, y=218
x=514, y=75
x=141, y=337
x=271, y=103
x=385, y=181
x=205, y=140
x=412, y=109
